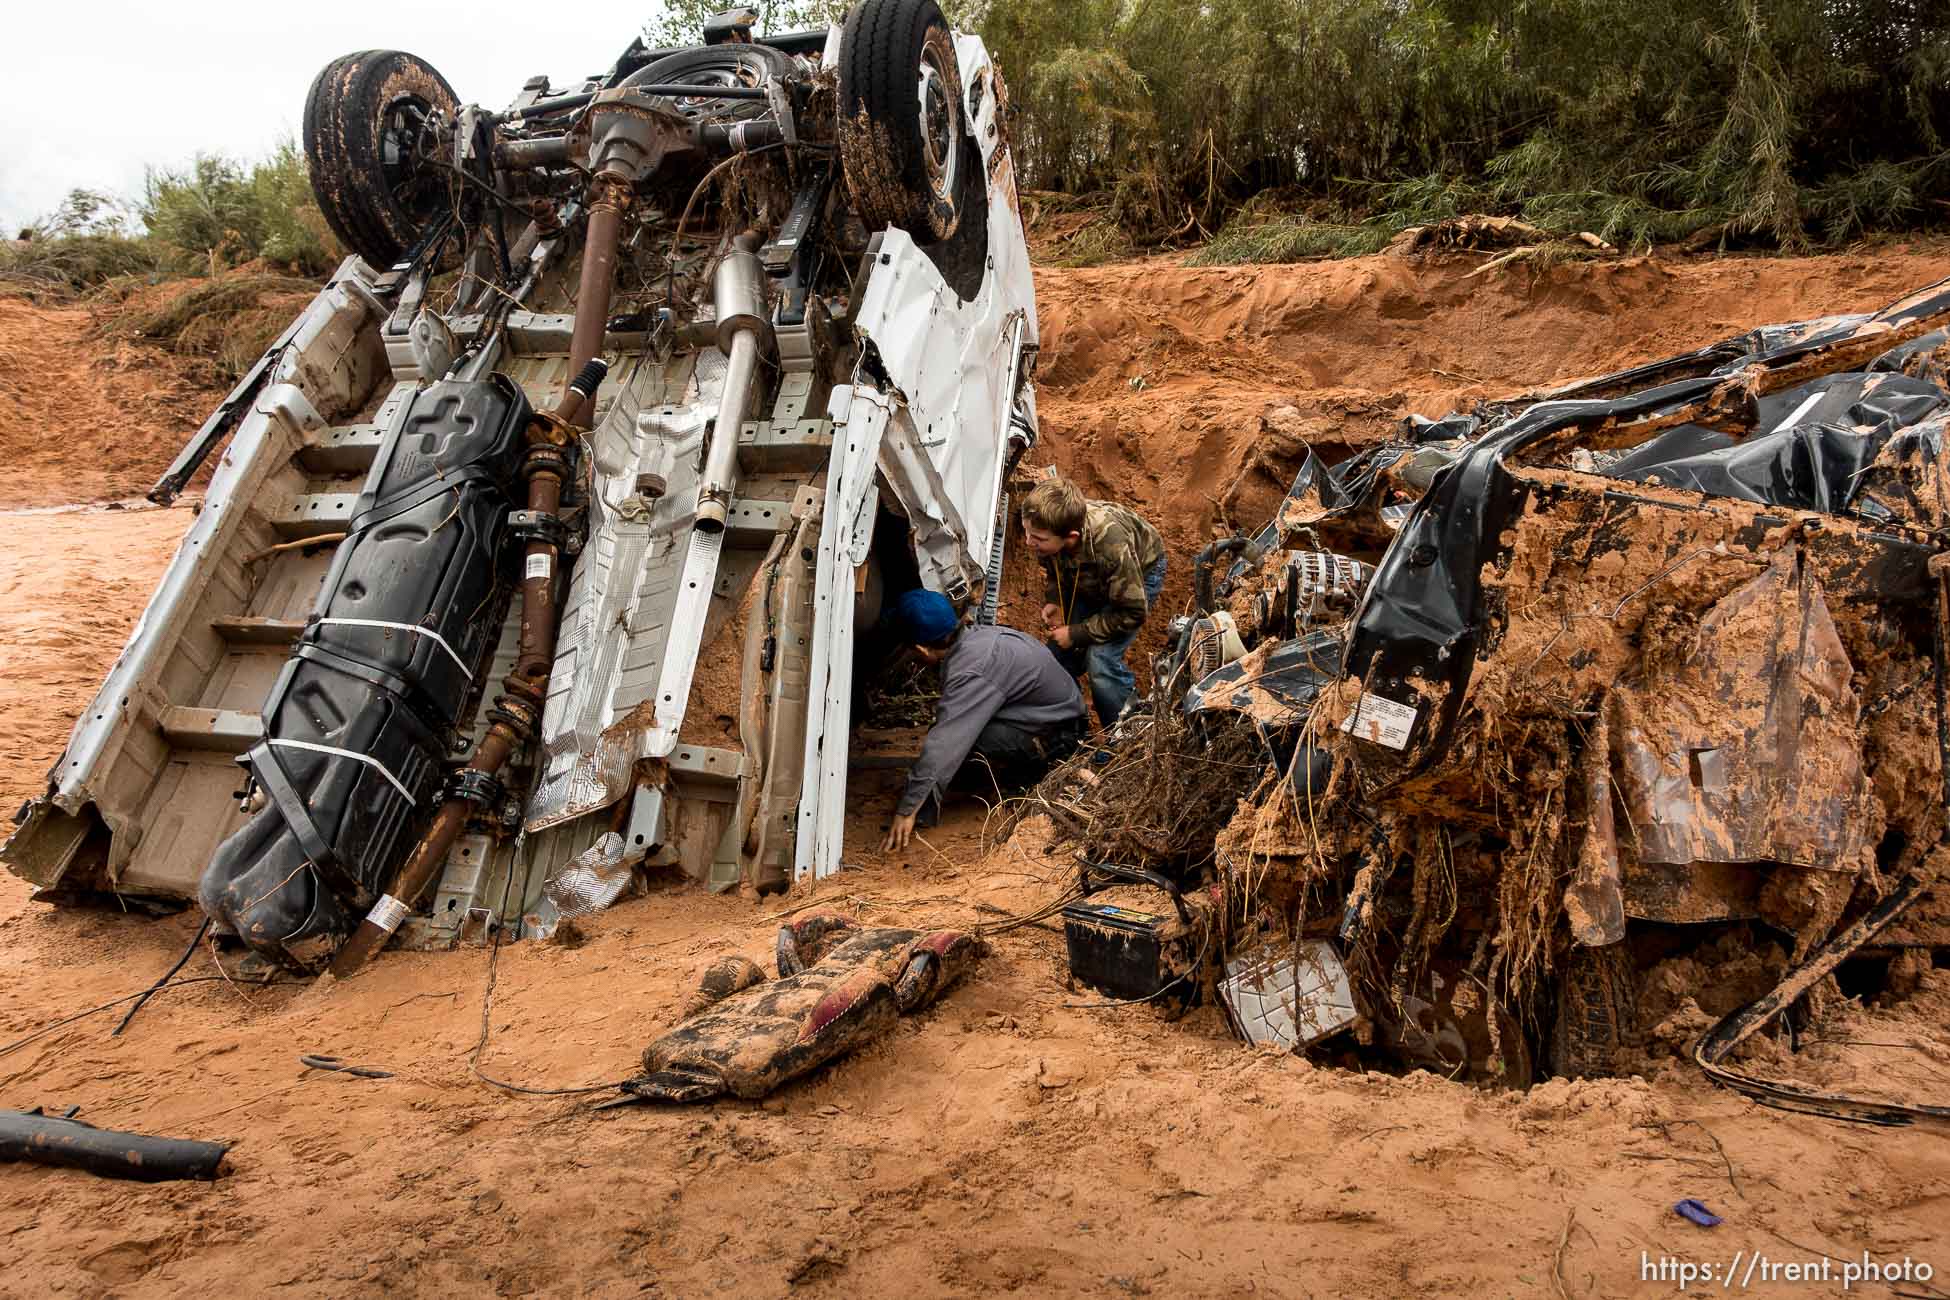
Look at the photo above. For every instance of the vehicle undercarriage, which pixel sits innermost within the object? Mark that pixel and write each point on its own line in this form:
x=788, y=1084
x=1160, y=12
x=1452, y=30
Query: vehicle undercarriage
x=737, y=336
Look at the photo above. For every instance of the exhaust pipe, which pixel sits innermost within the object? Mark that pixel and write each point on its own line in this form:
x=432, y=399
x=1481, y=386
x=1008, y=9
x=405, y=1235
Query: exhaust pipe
x=745, y=338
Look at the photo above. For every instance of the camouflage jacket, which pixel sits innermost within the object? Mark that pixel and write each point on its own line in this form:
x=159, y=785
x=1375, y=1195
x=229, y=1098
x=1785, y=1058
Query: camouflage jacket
x=1099, y=586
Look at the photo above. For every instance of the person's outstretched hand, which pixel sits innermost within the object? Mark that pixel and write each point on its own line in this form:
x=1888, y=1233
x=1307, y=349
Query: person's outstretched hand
x=899, y=833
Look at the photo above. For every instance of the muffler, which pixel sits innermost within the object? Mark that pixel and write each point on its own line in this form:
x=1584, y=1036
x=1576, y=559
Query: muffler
x=745, y=337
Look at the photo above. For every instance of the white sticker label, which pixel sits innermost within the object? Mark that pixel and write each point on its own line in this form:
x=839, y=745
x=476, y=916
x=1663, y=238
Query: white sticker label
x=387, y=913
x=1381, y=721
x=540, y=566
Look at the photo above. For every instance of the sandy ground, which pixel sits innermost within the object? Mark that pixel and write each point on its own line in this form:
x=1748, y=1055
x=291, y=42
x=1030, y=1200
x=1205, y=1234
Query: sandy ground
x=1008, y=1140
x=83, y=419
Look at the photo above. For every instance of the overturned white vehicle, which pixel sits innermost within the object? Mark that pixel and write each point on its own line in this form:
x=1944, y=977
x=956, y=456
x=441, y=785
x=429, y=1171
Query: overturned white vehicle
x=739, y=329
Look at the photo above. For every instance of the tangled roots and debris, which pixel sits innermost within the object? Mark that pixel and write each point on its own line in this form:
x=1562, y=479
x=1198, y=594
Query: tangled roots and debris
x=1157, y=799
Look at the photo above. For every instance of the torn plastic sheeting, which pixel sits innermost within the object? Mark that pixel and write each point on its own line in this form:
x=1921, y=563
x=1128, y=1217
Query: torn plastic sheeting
x=1422, y=618
x=1921, y=358
x=1908, y=479
x=1747, y=751
x=1320, y=493
x=1712, y=359
x=1810, y=452
x=1320, y=490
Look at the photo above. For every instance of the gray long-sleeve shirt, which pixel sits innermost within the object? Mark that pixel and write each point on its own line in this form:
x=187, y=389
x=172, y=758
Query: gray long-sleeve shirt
x=990, y=673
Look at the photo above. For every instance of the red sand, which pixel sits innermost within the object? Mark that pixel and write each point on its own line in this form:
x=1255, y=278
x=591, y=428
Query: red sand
x=1006, y=1141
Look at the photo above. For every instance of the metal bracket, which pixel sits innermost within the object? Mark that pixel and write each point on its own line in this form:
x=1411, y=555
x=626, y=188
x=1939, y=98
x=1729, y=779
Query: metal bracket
x=538, y=526
x=477, y=926
x=481, y=789
x=779, y=97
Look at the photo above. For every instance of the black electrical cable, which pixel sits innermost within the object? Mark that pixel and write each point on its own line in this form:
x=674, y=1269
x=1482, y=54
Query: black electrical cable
x=487, y=1002
x=112, y=1003
x=1047, y=910
x=1718, y=1043
x=142, y=999
x=471, y=179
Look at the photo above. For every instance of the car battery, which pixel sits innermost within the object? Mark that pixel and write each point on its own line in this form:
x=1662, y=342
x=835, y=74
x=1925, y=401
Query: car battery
x=1137, y=943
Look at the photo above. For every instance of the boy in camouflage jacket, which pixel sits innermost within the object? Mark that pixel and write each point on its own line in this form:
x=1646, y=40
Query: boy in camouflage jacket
x=1105, y=567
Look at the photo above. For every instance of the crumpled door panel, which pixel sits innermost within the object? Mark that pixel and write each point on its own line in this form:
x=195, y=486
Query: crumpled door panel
x=1748, y=750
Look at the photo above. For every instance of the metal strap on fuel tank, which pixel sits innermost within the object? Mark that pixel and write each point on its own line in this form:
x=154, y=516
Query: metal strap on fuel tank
x=292, y=807
x=355, y=756
x=414, y=628
x=418, y=495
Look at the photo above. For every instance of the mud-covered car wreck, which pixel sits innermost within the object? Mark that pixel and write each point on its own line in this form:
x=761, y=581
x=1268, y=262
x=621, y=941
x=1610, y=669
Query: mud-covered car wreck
x=735, y=336
x=1491, y=719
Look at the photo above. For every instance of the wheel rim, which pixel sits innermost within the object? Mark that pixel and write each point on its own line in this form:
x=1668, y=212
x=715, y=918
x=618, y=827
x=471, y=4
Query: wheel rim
x=940, y=122
x=734, y=75
x=406, y=130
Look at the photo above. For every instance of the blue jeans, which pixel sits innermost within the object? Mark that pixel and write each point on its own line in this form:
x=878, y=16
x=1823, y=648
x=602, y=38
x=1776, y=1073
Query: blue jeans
x=1111, y=682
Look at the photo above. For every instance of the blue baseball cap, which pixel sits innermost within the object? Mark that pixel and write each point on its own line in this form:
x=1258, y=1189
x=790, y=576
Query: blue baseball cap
x=926, y=615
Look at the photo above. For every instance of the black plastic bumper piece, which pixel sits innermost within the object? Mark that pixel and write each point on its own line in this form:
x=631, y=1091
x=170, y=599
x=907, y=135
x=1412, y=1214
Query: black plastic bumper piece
x=64, y=1140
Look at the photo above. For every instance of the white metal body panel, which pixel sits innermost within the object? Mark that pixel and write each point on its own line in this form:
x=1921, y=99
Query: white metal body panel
x=610, y=649
x=939, y=436
x=860, y=418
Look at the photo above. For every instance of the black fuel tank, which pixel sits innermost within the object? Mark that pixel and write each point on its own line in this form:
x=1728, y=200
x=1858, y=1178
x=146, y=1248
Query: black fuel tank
x=358, y=726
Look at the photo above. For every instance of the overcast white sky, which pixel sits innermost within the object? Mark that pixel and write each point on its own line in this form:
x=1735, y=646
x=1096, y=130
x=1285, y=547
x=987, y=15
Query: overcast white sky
x=95, y=90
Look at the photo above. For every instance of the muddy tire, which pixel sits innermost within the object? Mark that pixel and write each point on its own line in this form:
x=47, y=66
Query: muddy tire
x=372, y=143
x=1597, y=1012
x=716, y=65
x=904, y=146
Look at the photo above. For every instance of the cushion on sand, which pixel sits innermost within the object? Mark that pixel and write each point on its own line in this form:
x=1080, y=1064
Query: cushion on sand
x=850, y=987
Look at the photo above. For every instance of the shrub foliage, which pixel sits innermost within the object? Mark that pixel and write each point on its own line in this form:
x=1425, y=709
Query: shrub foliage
x=1305, y=128
x=205, y=218
x=1780, y=122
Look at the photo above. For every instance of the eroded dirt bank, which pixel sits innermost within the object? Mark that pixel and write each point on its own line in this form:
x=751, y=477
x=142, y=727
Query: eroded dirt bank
x=1006, y=1141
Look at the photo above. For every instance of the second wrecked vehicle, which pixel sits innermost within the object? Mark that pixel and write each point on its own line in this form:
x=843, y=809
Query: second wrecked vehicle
x=736, y=335
x=1536, y=697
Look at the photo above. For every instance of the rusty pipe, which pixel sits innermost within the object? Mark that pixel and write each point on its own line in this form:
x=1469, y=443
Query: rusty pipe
x=547, y=467
x=418, y=870
x=609, y=199
x=516, y=714
x=535, y=652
